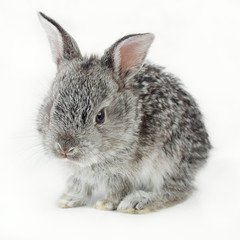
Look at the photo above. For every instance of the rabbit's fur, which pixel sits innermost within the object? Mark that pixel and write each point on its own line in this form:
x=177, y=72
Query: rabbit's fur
x=152, y=142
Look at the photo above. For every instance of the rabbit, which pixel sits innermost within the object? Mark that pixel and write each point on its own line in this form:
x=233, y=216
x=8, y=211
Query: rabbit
x=123, y=124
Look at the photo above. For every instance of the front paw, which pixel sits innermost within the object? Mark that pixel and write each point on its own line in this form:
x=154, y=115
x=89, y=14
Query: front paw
x=70, y=201
x=105, y=205
x=135, y=205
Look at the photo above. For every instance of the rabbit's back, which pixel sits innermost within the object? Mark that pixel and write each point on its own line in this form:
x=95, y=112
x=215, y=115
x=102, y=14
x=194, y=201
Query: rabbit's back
x=170, y=118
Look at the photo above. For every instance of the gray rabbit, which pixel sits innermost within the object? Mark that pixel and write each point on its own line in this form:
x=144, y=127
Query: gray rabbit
x=123, y=124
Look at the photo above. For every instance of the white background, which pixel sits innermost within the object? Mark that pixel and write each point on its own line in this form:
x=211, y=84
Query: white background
x=199, y=41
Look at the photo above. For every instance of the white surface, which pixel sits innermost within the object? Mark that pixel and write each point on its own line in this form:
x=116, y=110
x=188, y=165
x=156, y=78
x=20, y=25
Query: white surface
x=196, y=40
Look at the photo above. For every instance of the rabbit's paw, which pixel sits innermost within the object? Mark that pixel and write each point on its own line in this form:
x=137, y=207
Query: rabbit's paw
x=105, y=205
x=136, y=204
x=66, y=201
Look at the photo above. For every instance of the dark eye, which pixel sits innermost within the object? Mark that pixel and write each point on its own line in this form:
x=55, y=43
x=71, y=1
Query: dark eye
x=100, y=117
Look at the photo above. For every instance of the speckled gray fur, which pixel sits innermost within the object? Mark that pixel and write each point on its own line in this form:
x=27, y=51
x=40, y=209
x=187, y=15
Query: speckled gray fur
x=153, y=141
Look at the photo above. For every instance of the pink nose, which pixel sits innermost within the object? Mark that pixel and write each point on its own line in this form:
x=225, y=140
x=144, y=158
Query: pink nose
x=64, y=151
x=68, y=151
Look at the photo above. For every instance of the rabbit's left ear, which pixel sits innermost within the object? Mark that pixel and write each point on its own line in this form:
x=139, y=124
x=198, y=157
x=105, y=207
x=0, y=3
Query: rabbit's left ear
x=127, y=55
x=63, y=46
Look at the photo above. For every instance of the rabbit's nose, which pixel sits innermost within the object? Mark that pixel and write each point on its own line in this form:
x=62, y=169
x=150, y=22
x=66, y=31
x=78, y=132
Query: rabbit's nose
x=65, y=151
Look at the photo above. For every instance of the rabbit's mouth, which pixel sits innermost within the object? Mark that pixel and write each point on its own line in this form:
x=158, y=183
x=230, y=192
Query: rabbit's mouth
x=70, y=153
x=68, y=157
x=83, y=155
x=65, y=156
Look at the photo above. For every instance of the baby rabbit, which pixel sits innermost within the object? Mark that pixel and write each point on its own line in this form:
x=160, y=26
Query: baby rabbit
x=123, y=124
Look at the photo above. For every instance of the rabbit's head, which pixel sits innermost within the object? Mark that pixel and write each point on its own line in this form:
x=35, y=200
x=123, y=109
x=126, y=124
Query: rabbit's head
x=91, y=110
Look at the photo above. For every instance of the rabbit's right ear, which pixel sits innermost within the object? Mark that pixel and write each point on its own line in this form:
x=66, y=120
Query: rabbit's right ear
x=63, y=46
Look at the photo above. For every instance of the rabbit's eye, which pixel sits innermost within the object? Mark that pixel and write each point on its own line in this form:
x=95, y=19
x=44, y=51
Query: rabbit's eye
x=100, y=118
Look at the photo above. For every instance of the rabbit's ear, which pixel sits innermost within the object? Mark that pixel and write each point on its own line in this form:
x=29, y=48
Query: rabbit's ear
x=63, y=46
x=127, y=55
